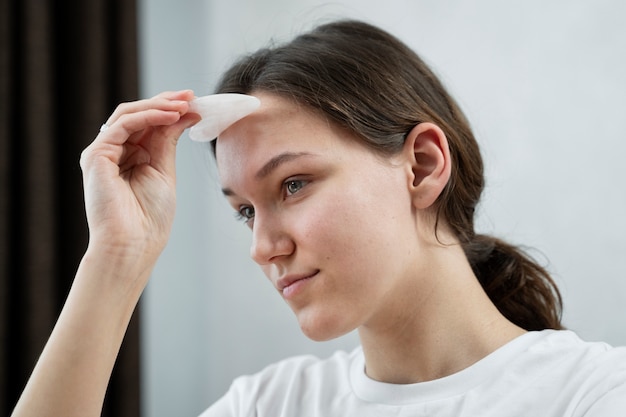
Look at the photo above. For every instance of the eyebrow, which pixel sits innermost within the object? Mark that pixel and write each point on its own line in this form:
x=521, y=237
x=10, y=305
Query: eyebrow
x=271, y=165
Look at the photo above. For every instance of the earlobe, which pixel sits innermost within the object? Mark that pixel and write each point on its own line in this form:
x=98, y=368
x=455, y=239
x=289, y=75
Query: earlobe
x=429, y=164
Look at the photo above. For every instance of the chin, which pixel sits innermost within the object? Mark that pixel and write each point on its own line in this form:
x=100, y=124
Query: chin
x=322, y=327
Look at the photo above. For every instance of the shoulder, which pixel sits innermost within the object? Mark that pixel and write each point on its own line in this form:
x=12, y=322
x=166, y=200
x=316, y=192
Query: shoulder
x=564, y=349
x=587, y=375
x=295, y=380
x=567, y=346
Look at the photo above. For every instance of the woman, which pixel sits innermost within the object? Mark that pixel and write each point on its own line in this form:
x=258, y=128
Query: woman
x=358, y=177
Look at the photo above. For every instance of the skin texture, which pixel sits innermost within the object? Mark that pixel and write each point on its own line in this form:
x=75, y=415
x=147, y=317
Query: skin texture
x=342, y=220
x=129, y=182
x=320, y=206
x=362, y=228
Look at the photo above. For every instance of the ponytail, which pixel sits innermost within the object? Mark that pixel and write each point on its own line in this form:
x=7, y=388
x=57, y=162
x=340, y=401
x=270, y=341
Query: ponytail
x=519, y=287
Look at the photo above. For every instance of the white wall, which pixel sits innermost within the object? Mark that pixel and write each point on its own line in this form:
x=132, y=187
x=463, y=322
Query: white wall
x=543, y=84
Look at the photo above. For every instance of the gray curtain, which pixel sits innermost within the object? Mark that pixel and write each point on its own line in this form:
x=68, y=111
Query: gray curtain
x=64, y=65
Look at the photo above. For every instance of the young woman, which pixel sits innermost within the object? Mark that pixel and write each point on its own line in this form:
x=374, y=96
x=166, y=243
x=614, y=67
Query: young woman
x=358, y=176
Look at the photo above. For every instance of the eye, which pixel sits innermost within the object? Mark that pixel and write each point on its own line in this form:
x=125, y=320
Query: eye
x=245, y=213
x=293, y=186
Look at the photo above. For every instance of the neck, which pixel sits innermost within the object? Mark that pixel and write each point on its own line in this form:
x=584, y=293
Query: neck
x=425, y=335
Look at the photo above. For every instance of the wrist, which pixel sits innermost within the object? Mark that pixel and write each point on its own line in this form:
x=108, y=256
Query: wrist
x=124, y=269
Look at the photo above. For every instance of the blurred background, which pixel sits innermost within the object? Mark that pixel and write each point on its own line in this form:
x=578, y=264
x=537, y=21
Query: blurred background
x=541, y=82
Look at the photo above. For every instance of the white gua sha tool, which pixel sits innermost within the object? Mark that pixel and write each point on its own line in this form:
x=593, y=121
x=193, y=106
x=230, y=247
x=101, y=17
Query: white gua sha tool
x=218, y=112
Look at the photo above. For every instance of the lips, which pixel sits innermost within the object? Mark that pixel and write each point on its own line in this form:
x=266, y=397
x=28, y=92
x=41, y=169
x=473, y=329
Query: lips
x=288, y=282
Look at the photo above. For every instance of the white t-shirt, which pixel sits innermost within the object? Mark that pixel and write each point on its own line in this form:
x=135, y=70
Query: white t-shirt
x=539, y=374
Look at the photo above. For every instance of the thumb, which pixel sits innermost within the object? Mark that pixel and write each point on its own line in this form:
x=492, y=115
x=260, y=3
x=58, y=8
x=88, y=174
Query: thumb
x=163, y=152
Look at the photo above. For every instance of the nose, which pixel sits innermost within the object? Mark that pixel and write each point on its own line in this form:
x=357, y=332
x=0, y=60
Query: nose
x=270, y=240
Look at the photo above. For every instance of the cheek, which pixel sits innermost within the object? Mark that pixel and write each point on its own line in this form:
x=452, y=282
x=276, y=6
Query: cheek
x=354, y=225
x=323, y=226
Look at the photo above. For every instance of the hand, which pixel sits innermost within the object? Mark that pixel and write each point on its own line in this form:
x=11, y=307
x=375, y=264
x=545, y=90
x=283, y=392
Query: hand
x=129, y=177
x=130, y=187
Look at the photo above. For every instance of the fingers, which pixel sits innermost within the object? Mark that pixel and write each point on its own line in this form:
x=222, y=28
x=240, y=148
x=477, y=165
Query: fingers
x=148, y=123
x=133, y=127
x=130, y=118
x=168, y=100
x=163, y=152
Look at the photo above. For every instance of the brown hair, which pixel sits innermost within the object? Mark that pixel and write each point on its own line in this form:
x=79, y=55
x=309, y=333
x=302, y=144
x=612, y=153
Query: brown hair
x=368, y=81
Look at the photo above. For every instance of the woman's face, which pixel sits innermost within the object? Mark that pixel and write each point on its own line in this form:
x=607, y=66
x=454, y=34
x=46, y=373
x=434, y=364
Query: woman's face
x=332, y=223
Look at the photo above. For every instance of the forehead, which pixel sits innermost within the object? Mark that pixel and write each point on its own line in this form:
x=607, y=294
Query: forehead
x=274, y=114
x=279, y=125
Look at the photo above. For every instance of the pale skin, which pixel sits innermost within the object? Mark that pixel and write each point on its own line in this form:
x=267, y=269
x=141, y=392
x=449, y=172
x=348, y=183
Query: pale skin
x=129, y=180
x=346, y=237
x=363, y=227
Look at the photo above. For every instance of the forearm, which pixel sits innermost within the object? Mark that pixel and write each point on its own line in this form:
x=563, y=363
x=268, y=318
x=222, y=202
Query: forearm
x=72, y=374
x=129, y=179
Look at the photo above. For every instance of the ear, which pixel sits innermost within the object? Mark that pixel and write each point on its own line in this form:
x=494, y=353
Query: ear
x=428, y=163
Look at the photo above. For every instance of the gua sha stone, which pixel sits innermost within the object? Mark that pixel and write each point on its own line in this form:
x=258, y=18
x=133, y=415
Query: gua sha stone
x=218, y=112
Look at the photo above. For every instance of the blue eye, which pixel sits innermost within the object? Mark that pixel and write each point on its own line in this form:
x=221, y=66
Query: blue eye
x=293, y=186
x=245, y=213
